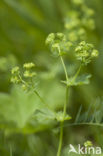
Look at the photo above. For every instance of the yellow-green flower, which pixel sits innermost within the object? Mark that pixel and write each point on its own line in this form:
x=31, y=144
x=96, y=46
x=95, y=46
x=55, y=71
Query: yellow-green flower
x=28, y=65
x=15, y=70
x=88, y=144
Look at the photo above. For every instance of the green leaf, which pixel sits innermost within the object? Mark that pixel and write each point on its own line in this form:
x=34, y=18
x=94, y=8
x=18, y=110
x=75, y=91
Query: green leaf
x=60, y=117
x=47, y=115
x=83, y=79
x=18, y=107
x=80, y=80
x=23, y=112
x=53, y=92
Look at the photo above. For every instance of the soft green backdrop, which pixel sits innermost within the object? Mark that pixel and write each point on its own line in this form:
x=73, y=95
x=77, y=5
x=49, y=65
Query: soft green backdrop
x=24, y=26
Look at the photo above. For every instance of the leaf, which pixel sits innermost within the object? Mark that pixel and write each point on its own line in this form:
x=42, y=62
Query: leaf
x=18, y=107
x=83, y=79
x=78, y=114
x=60, y=117
x=80, y=80
x=47, y=115
x=44, y=115
x=23, y=112
x=53, y=92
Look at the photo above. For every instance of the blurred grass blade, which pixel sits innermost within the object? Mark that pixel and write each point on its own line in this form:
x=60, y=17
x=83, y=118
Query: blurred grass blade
x=25, y=15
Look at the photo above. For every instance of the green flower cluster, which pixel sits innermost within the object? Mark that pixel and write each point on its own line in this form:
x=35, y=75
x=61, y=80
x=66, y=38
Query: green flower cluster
x=85, y=52
x=28, y=70
x=29, y=65
x=59, y=42
x=15, y=75
x=78, y=21
x=21, y=77
x=88, y=144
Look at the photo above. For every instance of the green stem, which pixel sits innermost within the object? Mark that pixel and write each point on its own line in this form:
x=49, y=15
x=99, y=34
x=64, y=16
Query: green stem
x=64, y=109
x=87, y=124
x=60, y=139
x=66, y=102
x=62, y=124
x=78, y=71
x=41, y=99
x=66, y=74
x=63, y=64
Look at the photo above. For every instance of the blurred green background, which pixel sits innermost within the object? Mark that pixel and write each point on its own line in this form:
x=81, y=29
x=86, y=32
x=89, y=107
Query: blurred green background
x=24, y=26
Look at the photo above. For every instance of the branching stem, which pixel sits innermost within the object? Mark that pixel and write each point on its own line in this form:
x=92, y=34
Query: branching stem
x=66, y=102
x=64, y=109
x=38, y=95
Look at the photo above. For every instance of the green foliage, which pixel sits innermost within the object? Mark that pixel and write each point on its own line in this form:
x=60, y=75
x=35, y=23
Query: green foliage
x=80, y=80
x=17, y=107
x=21, y=109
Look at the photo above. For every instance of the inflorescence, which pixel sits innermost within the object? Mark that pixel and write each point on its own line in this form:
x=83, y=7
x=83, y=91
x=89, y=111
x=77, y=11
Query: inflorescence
x=25, y=77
